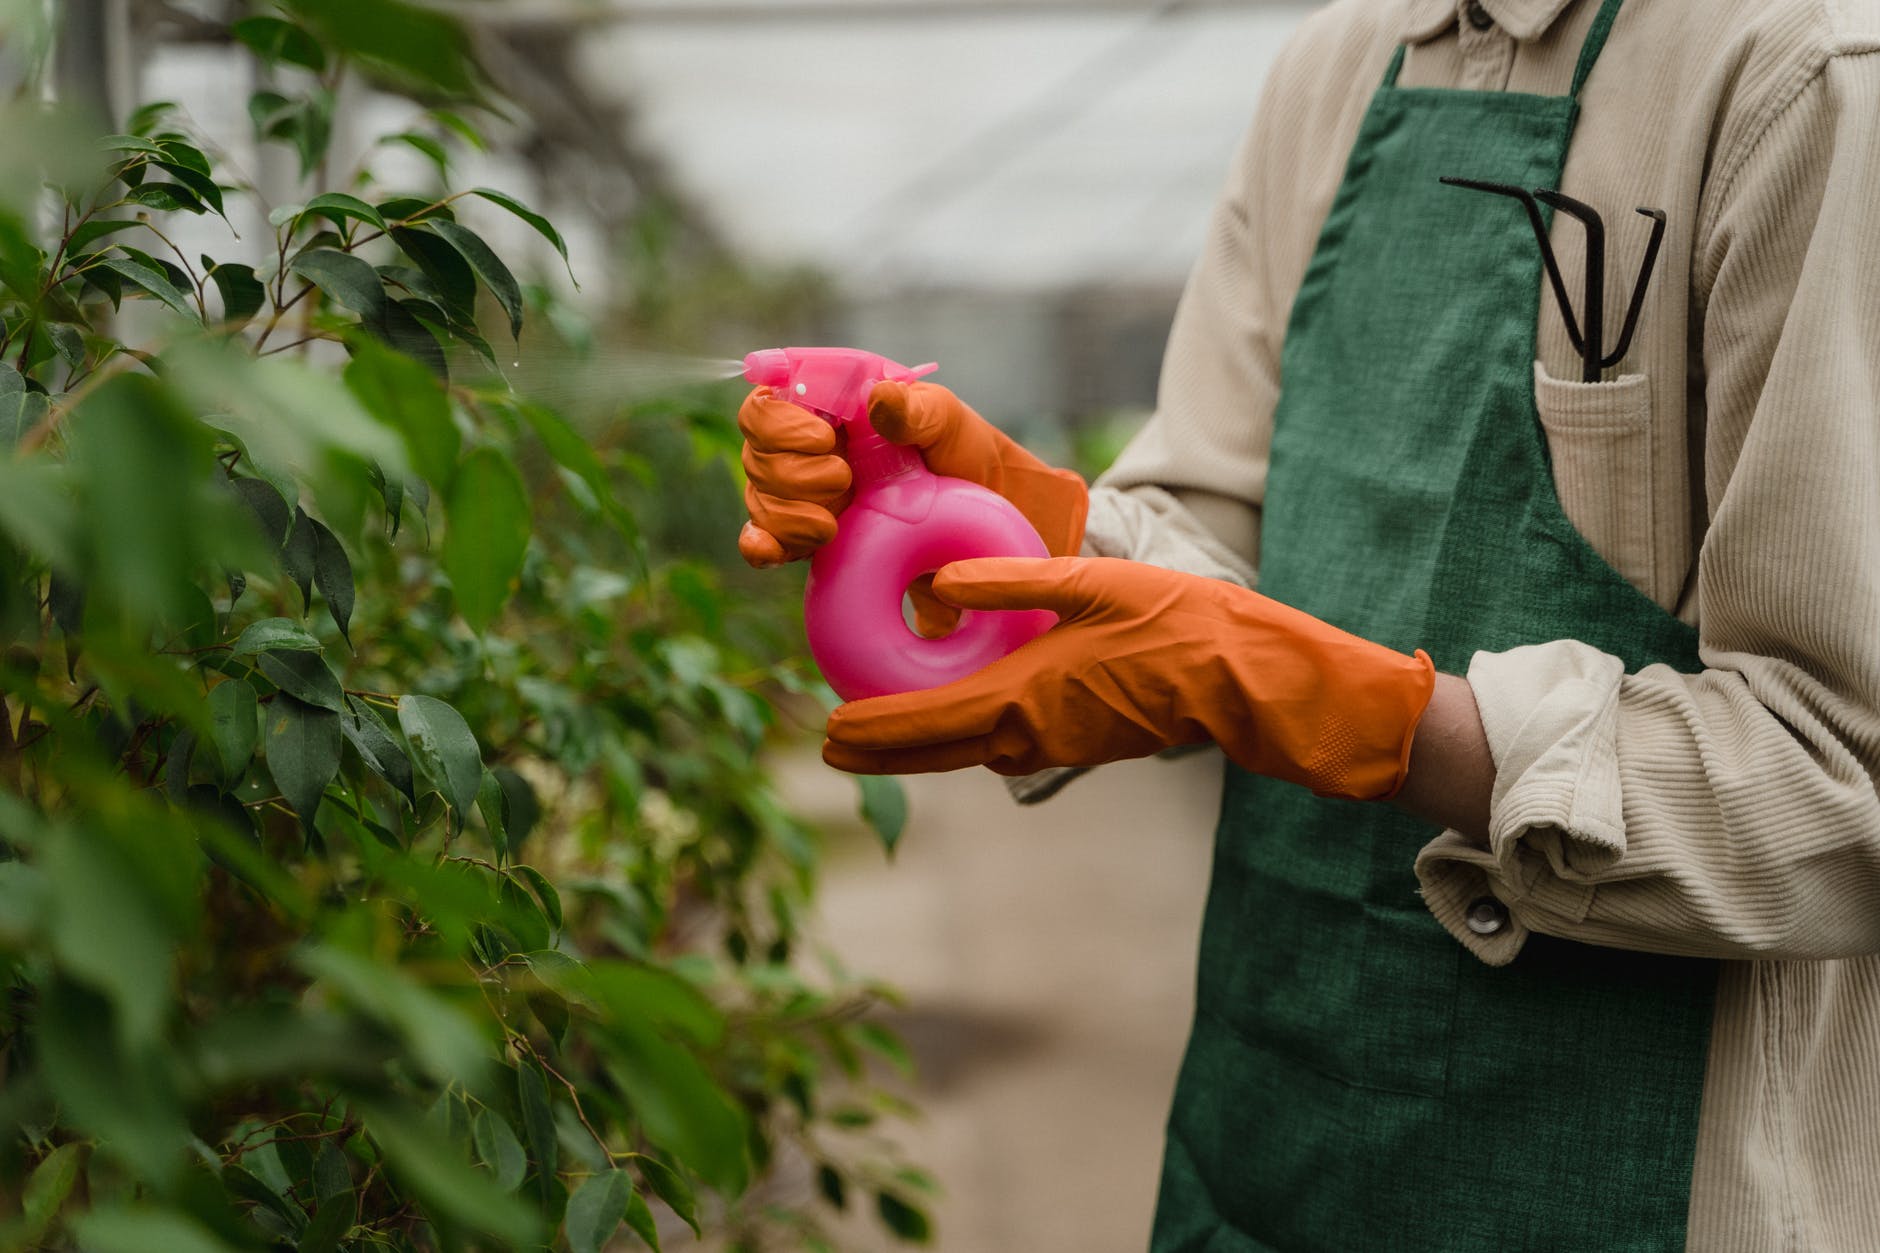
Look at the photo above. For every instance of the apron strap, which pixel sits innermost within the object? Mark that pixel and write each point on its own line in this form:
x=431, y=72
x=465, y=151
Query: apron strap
x=1595, y=44
x=1589, y=51
x=1396, y=64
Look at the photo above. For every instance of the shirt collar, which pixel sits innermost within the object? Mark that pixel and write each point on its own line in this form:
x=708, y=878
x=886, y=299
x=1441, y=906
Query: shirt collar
x=1524, y=19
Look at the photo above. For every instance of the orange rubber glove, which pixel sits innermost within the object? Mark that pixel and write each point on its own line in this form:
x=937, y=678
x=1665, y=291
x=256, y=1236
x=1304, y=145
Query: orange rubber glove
x=798, y=482
x=1144, y=659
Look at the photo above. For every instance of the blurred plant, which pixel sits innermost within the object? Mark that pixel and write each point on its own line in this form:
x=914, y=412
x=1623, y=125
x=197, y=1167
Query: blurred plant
x=364, y=887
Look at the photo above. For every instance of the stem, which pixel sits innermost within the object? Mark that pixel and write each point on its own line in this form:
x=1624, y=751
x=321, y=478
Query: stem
x=308, y=339
x=574, y=1094
x=201, y=306
x=407, y=221
x=280, y=311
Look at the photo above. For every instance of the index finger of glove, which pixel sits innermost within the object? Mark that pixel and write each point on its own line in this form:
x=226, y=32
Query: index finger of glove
x=1053, y=583
x=925, y=415
x=772, y=424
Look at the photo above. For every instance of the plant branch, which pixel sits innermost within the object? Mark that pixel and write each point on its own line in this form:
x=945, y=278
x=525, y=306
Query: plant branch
x=280, y=311
x=202, y=305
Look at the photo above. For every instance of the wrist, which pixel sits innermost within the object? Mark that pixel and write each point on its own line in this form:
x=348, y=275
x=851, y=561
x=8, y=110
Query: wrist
x=1451, y=776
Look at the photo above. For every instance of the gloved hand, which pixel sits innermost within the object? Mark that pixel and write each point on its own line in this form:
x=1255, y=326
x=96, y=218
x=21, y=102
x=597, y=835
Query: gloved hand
x=798, y=483
x=1143, y=659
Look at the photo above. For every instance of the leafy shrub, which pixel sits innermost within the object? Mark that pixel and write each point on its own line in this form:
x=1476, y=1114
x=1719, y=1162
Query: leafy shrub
x=383, y=858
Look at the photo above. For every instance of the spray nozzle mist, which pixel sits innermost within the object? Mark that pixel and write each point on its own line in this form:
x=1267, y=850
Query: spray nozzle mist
x=834, y=382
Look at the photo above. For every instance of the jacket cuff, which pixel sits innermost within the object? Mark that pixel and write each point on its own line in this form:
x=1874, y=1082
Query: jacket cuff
x=1556, y=818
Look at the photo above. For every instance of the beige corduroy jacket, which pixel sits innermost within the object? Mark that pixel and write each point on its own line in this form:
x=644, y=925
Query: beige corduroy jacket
x=1731, y=471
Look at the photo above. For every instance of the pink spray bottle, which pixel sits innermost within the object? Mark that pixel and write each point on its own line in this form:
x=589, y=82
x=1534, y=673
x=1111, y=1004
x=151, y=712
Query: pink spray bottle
x=902, y=522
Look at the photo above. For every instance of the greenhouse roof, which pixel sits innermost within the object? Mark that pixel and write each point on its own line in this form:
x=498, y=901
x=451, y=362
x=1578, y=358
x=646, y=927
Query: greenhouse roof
x=987, y=143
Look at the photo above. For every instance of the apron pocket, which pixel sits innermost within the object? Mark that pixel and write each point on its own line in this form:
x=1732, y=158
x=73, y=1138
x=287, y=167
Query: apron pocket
x=1599, y=438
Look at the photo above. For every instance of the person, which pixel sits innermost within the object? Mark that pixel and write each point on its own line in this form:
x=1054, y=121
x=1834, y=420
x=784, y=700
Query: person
x=1546, y=895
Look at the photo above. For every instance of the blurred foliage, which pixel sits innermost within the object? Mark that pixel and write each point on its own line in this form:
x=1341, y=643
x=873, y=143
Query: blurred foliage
x=384, y=863
x=1095, y=444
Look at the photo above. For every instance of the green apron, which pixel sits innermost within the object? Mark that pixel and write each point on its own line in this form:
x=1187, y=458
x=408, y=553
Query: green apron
x=1355, y=1080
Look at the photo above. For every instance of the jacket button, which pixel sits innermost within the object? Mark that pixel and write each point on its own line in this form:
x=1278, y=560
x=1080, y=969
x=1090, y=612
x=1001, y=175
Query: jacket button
x=1487, y=916
x=1479, y=16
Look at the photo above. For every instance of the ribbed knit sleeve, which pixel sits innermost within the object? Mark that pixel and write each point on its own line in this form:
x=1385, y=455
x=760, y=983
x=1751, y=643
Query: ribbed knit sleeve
x=1734, y=812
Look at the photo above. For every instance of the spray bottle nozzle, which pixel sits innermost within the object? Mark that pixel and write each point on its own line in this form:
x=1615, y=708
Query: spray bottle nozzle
x=834, y=382
x=768, y=367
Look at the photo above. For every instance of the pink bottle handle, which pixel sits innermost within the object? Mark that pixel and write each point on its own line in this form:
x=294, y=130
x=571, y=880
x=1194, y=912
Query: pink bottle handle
x=903, y=521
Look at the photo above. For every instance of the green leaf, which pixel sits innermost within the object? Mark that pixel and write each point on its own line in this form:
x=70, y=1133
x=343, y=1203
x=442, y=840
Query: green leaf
x=68, y=342
x=182, y=151
x=332, y=574
x=383, y=754
x=523, y=918
x=308, y=678
x=405, y=396
x=129, y=143
x=333, y=1221
x=268, y=506
x=884, y=806
x=443, y=1042
x=520, y=808
x=143, y=1228
x=887, y=1044
x=452, y=276
x=463, y=129
x=303, y=750
x=445, y=749
x=176, y=765
x=336, y=207
x=541, y=224
x=566, y=446
x=123, y=887
x=544, y=892
x=538, y=1123
x=275, y=40
x=830, y=1183
x=445, y=1182
x=499, y=1149
x=435, y=152
x=195, y=176
x=146, y=116
x=405, y=329
x=96, y=229
x=283, y=214
x=422, y=49
x=127, y=1098
x=640, y=1218
x=488, y=266
x=151, y=279
x=595, y=1210
x=23, y=900
x=903, y=1220
x=242, y=293
x=494, y=807
x=274, y=635
x=331, y=1176
x=235, y=716
x=672, y=1189
x=297, y=555
x=20, y=412
x=487, y=536
x=48, y=1187
x=166, y=198
x=347, y=279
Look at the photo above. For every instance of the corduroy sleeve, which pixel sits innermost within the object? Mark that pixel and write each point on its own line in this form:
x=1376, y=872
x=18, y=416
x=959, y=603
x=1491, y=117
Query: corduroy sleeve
x=1733, y=812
